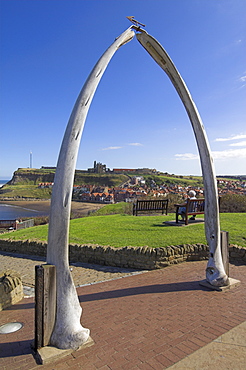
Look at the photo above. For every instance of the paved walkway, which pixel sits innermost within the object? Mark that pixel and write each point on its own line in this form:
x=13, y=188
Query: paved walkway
x=153, y=320
x=83, y=273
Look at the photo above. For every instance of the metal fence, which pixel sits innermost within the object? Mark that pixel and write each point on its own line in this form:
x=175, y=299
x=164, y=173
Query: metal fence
x=25, y=224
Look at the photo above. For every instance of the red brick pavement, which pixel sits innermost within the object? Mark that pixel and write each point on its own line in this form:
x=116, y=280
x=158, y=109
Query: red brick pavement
x=146, y=321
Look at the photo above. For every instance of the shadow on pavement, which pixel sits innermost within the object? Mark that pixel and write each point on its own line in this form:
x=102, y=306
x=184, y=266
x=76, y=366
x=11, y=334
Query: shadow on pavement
x=150, y=289
x=21, y=306
x=12, y=349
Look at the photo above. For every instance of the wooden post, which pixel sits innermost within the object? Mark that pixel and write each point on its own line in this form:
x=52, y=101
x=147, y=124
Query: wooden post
x=45, y=304
x=224, y=238
x=38, y=342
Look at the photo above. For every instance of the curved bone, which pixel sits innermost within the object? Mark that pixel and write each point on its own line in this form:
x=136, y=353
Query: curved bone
x=68, y=332
x=215, y=272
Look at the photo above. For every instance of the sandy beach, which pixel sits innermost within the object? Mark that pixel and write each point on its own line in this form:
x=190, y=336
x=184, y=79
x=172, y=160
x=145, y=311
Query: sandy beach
x=79, y=209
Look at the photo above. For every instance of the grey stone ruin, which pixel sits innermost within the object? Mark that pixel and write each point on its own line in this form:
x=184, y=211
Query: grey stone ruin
x=68, y=333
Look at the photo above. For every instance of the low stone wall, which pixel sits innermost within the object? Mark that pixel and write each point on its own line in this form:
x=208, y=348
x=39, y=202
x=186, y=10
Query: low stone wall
x=130, y=257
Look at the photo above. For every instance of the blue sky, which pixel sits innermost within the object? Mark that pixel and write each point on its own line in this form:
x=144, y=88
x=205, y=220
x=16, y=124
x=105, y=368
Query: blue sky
x=136, y=119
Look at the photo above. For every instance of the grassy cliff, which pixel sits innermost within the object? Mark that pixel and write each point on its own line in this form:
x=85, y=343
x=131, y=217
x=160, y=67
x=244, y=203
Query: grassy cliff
x=24, y=183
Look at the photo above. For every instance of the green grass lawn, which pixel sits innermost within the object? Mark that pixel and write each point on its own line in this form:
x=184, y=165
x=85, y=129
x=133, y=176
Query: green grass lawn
x=26, y=191
x=125, y=230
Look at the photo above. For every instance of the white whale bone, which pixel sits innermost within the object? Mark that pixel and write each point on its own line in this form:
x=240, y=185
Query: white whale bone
x=215, y=272
x=68, y=331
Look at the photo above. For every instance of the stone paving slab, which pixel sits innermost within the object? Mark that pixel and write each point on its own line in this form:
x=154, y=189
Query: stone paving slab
x=146, y=321
x=226, y=352
x=82, y=273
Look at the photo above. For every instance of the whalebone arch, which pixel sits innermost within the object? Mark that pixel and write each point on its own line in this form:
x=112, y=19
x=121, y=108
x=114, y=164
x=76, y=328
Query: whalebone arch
x=68, y=331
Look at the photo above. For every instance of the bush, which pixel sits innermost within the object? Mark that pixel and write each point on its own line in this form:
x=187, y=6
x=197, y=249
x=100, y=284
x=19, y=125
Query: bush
x=39, y=220
x=174, y=199
x=233, y=203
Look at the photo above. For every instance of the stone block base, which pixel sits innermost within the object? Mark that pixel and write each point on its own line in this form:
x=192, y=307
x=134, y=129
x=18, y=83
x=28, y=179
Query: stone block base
x=232, y=284
x=48, y=354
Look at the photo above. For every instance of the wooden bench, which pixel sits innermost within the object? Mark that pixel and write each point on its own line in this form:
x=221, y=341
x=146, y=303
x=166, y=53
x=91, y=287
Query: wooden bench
x=150, y=206
x=193, y=207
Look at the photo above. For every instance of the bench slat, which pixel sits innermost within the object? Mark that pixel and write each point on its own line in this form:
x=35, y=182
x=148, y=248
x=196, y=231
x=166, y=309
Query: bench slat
x=150, y=205
x=193, y=207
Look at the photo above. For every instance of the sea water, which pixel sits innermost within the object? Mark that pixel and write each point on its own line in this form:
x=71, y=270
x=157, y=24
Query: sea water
x=12, y=212
x=2, y=182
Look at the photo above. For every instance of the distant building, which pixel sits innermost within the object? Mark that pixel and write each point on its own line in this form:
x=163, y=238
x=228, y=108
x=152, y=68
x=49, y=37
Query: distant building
x=98, y=168
x=43, y=185
x=16, y=224
x=120, y=170
x=136, y=170
x=48, y=168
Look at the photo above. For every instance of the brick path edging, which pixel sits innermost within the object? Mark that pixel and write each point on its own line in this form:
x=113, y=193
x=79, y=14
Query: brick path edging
x=128, y=257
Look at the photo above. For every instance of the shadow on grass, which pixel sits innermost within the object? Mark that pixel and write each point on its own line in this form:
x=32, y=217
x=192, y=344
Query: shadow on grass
x=163, y=225
x=173, y=223
x=160, y=225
